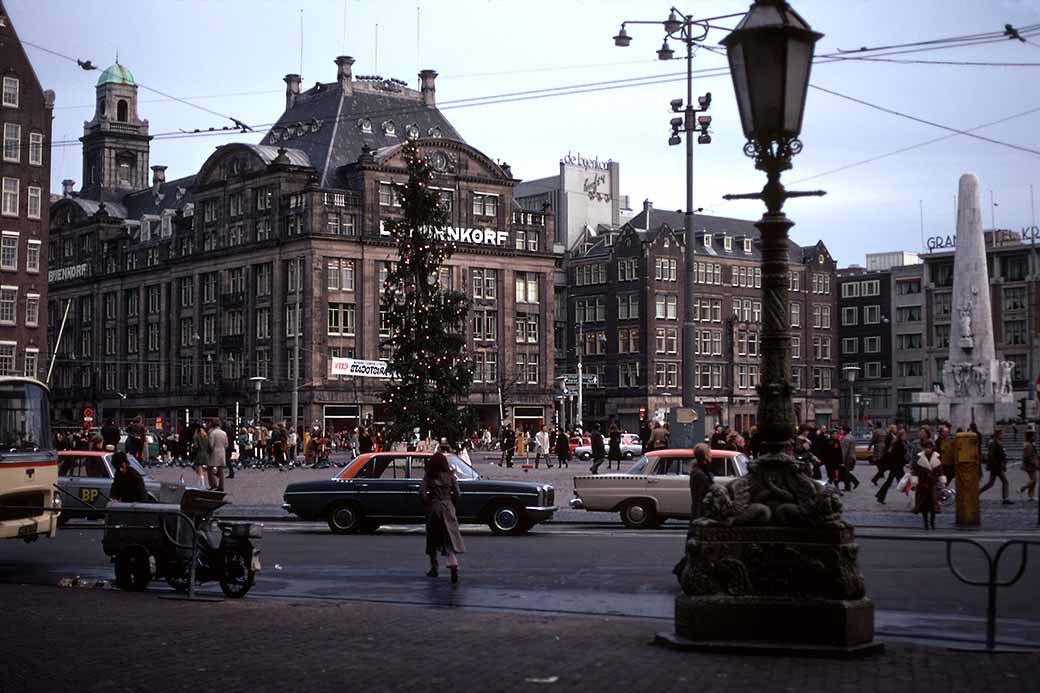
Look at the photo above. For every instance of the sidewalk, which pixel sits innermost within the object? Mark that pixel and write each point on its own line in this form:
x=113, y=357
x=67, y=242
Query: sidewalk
x=71, y=639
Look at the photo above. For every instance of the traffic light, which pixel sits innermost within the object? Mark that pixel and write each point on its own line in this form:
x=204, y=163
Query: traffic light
x=642, y=413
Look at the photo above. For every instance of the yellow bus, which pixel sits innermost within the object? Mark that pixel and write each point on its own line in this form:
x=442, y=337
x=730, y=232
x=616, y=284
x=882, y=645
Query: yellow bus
x=29, y=501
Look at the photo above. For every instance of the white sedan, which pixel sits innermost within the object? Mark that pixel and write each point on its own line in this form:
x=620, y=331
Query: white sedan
x=630, y=448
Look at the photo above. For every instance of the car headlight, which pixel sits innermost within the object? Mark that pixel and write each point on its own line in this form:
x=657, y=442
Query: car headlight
x=56, y=501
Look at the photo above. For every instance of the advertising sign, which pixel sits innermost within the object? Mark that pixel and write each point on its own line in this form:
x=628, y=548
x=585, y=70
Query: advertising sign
x=359, y=368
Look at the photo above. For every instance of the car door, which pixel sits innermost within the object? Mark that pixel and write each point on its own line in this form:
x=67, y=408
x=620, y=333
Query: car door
x=670, y=485
x=411, y=502
x=70, y=479
x=382, y=494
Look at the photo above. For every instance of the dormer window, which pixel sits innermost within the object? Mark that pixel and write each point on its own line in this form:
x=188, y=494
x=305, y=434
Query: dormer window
x=747, y=246
x=364, y=125
x=707, y=240
x=389, y=129
x=727, y=243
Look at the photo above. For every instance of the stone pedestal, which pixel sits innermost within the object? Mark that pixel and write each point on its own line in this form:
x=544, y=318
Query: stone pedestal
x=967, y=469
x=773, y=588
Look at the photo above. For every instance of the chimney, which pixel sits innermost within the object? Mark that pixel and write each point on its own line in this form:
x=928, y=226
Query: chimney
x=428, y=88
x=648, y=207
x=292, y=90
x=66, y=187
x=158, y=176
x=345, y=74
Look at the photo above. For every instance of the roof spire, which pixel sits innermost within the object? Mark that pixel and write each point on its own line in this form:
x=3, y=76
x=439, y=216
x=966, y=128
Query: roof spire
x=117, y=56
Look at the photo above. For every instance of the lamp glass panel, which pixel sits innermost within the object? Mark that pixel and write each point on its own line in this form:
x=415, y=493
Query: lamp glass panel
x=738, y=69
x=799, y=63
x=765, y=54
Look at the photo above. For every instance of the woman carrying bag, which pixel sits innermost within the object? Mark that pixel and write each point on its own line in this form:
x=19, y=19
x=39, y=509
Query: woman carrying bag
x=927, y=480
x=563, y=448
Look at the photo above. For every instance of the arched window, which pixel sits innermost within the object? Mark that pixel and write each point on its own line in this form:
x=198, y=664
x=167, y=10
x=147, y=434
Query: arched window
x=121, y=111
x=102, y=106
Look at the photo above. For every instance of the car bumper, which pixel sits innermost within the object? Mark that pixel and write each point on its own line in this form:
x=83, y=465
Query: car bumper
x=539, y=513
x=577, y=504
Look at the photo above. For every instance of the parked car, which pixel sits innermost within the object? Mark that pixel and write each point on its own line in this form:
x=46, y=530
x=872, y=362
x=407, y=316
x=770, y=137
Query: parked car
x=574, y=442
x=377, y=488
x=154, y=447
x=86, y=477
x=655, y=488
x=631, y=447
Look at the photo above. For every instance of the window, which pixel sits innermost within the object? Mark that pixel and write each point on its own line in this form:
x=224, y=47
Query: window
x=292, y=321
x=667, y=306
x=1016, y=268
x=152, y=334
x=628, y=374
x=32, y=310
x=527, y=368
x=821, y=378
x=628, y=306
x=941, y=306
x=796, y=347
x=942, y=336
x=850, y=345
x=7, y=351
x=849, y=289
x=747, y=246
x=849, y=314
x=263, y=198
x=340, y=275
x=526, y=287
x=342, y=318
x=32, y=256
x=727, y=242
x=908, y=314
x=9, y=251
x=872, y=370
x=871, y=315
x=796, y=315
x=906, y=287
x=8, y=302
x=209, y=287
x=12, y=142
x=263, y=323
x=152, y=292
x=1015, y=298
x=11, y=192
x=910, y=369
x=1015, y=332
x=186, y=330
x=485, y=205
x=666, y=269
x=822, y=348
x=872, y=345
x=187, y=291
x=591, y=309
x=595, y=273
x=628, y=269
x=263, y=229
x=235, y=204
x=666, y=374
x=10, y=97
x=30, y=364
x=209, y=329
x=233, y=323
x=292, y=271
x=526, y=328
x=485, y=325
x=263, y=279
x=909, y=341
x=526, y=240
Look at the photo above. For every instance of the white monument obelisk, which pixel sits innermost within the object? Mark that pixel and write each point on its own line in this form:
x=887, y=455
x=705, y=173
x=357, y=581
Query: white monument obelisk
x=973, y=380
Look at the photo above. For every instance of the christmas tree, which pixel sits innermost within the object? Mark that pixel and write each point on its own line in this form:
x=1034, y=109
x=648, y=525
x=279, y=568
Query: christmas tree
x=432, y=370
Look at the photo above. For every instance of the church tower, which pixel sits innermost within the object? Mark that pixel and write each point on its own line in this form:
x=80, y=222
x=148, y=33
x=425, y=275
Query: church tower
x=115, y=141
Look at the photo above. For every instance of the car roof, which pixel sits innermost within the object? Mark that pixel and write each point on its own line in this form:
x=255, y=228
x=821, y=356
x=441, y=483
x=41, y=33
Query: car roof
x=358, y=462
x=80, y=453
x=687, y=452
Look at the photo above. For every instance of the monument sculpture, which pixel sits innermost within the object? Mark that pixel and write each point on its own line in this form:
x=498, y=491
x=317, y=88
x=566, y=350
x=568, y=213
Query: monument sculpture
x=974, y=381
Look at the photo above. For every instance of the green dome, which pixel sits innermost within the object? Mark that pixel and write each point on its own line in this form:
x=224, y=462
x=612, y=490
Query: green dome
x=117, y=74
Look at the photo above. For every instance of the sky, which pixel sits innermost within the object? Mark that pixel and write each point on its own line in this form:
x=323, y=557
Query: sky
x=229, y=56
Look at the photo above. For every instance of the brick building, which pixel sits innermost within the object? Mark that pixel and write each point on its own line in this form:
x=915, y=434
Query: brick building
x=185, y=290
x=25, y=169
x=626, y=290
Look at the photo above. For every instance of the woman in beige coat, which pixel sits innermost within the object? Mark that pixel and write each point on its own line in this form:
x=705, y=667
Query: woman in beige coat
x=440, y=492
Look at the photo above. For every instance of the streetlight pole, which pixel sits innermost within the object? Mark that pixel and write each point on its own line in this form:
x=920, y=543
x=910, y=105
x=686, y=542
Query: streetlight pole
x=684, y=28
x=581, y=385
x=850, y=374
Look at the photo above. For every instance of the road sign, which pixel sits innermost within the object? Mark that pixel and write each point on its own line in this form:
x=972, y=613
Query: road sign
x=158, y=423
x=88, y=413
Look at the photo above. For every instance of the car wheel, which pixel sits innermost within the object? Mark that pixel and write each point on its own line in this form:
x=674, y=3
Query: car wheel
x=506, y=519
x=239, y=575
x=369, y=526
x=586, y=456
x=344, y=518
x=639, y=514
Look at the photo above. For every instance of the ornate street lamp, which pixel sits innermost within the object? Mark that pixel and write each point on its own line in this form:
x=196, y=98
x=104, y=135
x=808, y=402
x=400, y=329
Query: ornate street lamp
x=770, y=562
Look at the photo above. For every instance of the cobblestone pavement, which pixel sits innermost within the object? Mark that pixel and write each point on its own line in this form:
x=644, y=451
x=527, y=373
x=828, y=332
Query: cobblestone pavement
x=274, y=645
x=258, y=493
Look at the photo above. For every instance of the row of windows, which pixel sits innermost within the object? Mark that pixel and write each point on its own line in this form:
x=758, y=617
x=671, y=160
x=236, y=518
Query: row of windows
x=13, y=145
x=871, y=315
x=8, y=360
x=590, y=273
x=871, y=345
x=10, y=206
x=9, y=307
x=821, y=283
x=855, y=289
x=9, y=247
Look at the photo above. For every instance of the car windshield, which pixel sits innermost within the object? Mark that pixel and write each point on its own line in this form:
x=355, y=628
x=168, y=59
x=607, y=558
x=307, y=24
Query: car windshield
x=640, y=466
x=461, y=469
x=134, y=465
x=24, y=417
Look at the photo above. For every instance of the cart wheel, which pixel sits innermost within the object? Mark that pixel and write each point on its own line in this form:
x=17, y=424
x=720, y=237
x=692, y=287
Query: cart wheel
x=132, y=570
x=238, y=576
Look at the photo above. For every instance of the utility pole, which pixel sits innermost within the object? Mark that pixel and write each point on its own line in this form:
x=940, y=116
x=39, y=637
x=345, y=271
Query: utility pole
x=581, y=386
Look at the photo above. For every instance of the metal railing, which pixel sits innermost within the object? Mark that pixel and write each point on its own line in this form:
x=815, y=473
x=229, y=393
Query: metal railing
x=991, y=582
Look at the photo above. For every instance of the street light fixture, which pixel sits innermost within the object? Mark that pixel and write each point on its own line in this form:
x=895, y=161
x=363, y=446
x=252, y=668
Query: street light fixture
x=690, y=31
x=851, y=372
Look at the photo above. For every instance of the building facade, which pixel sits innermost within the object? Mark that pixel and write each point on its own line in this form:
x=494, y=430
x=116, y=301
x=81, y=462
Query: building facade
x=191, y=298
x=866, y=339
x=1014, y=295
x=626, y=293
x=25, y=169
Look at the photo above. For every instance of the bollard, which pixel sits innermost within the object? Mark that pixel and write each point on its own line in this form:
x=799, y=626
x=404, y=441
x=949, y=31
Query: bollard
x=968, y=514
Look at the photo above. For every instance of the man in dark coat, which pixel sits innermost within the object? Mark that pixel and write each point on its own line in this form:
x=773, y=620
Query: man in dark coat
x=508, y=445
x=110, y=434
x=127, y=486
x=599, y=451
x=700, y=479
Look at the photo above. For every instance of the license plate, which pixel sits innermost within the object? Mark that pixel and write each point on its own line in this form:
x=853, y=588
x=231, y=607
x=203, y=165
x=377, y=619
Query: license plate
x=27, y=531
x=256, y=563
